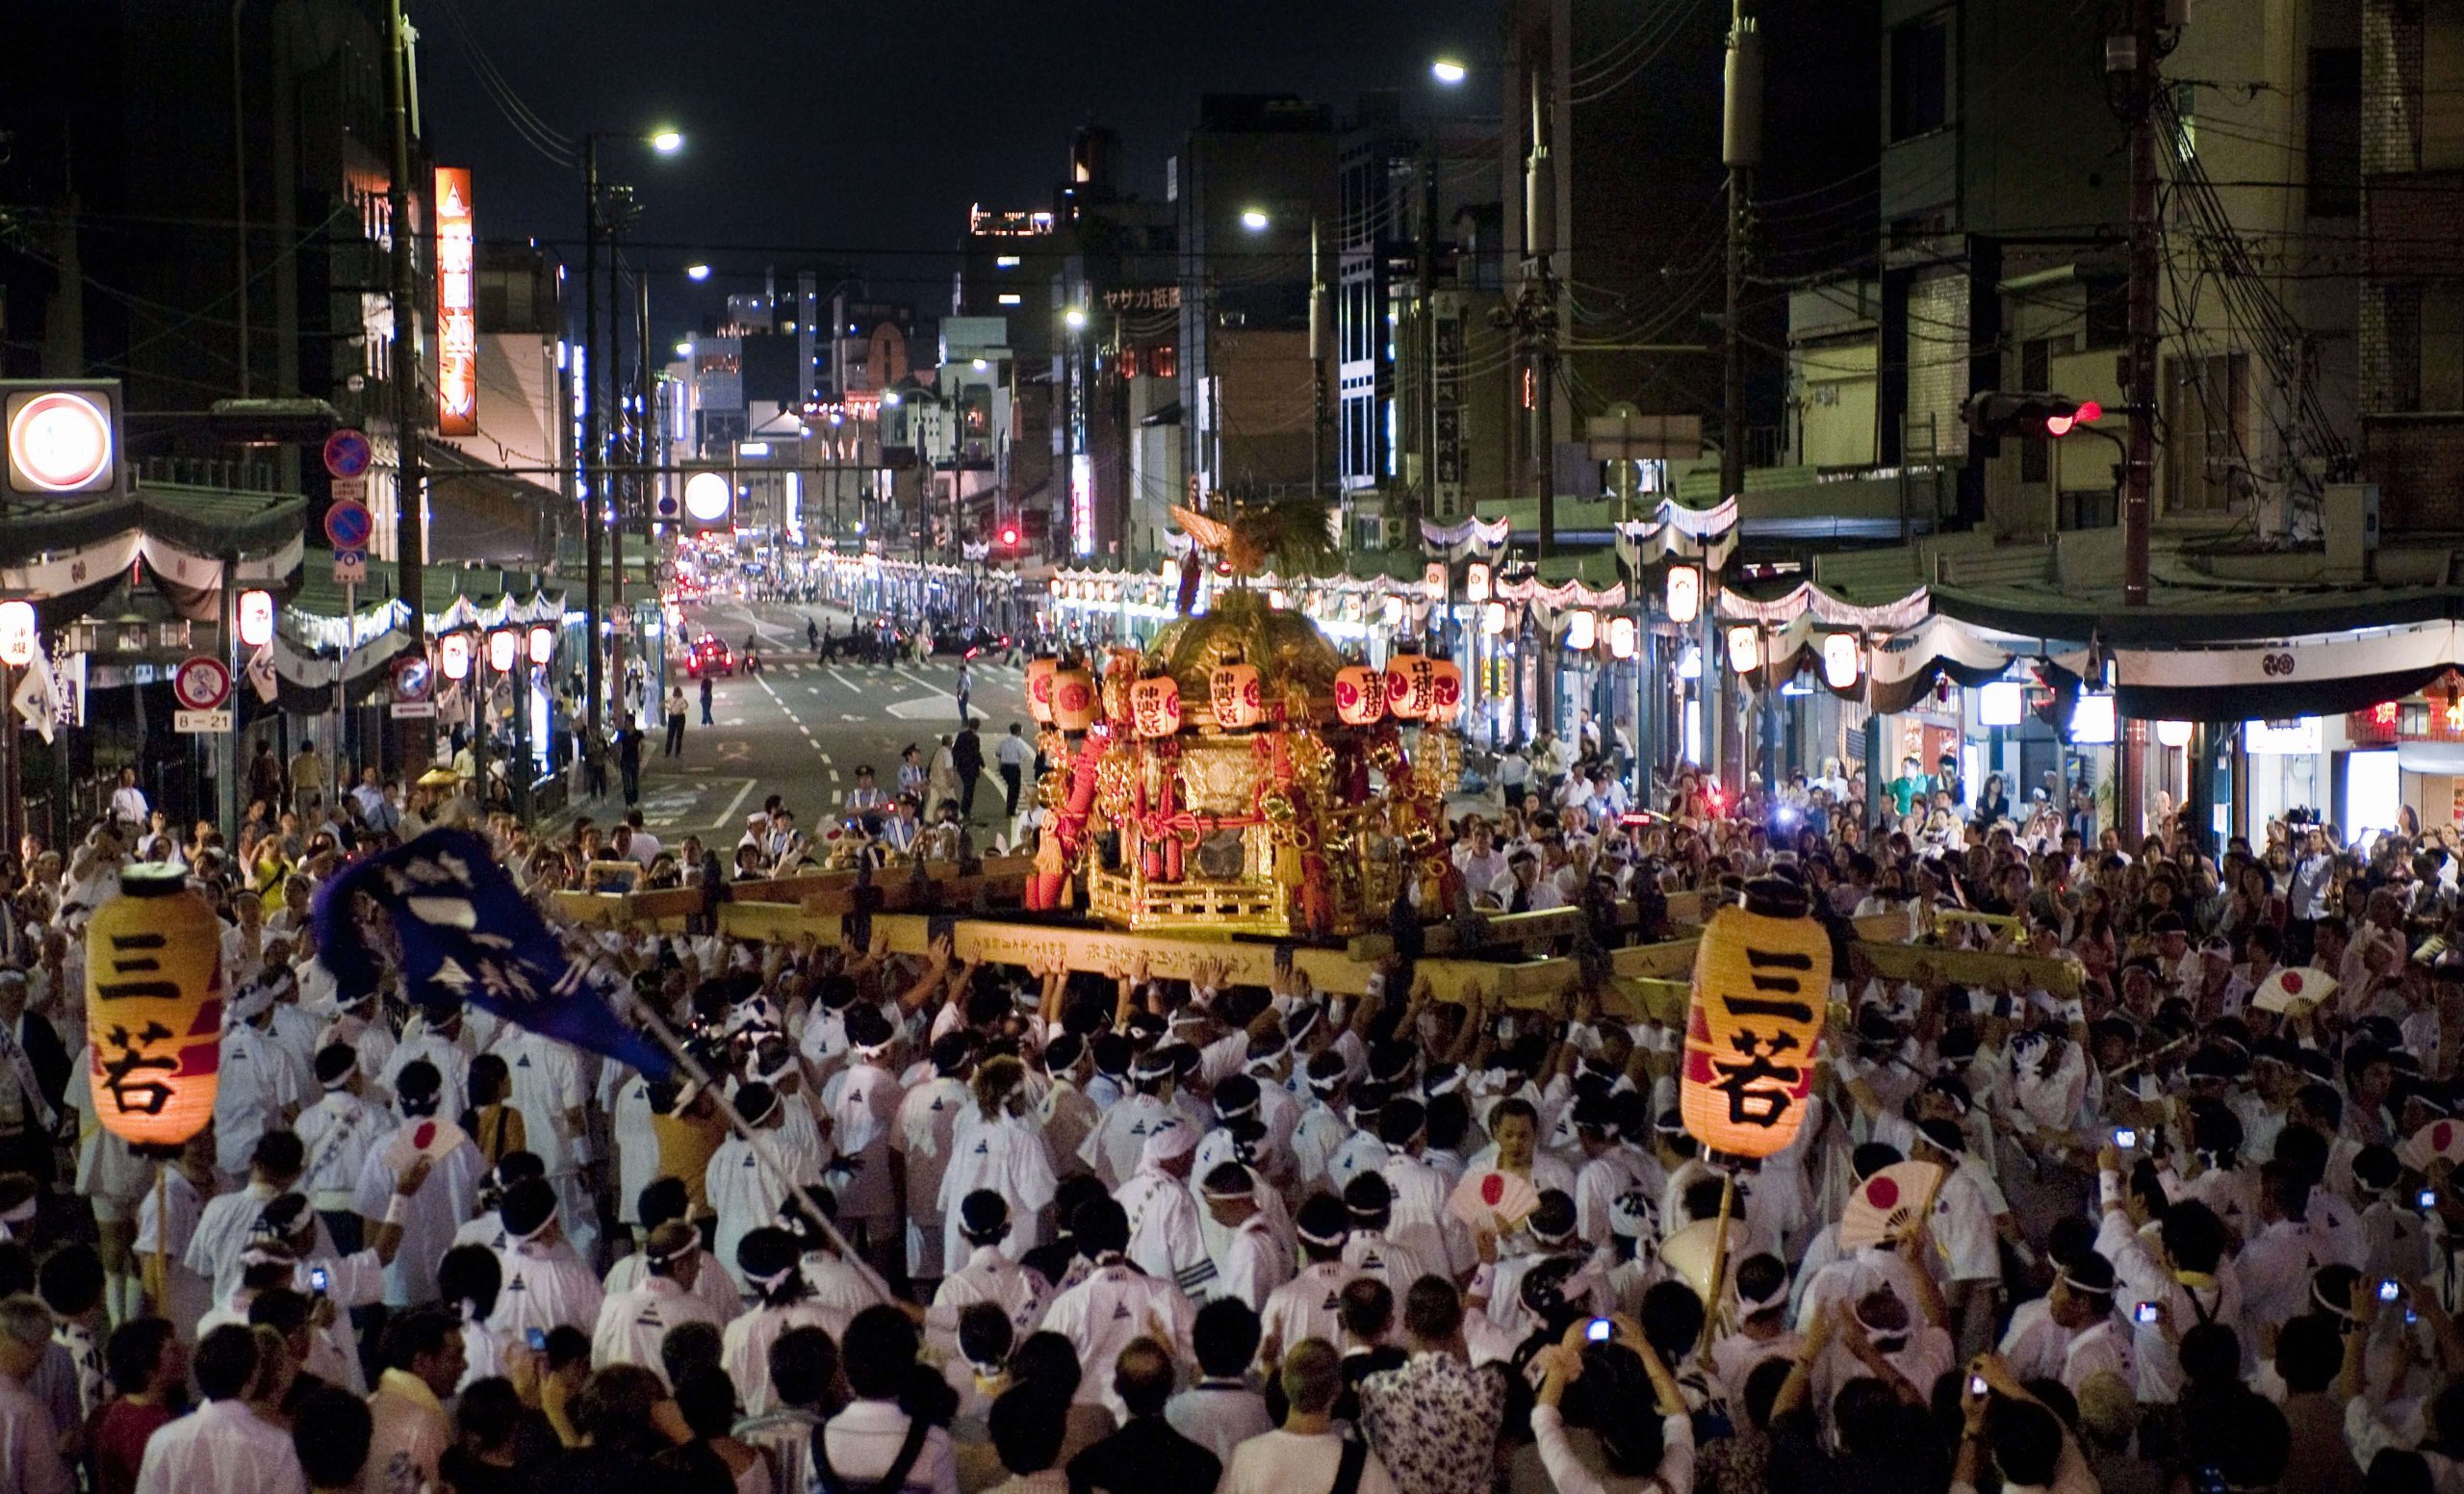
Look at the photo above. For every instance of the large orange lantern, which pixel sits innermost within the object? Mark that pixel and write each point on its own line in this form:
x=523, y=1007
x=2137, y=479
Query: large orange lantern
x=1761, y=983
x=1039, y=673
x=1237, y=695
x=1445, y=690
x=1360, y=694
x=154, y=1008
x=1408, y=692
x=1155, y=705
x=1074, y=702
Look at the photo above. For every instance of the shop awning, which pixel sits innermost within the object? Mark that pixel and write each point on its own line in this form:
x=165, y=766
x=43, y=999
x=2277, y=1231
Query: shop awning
x=2301, y=674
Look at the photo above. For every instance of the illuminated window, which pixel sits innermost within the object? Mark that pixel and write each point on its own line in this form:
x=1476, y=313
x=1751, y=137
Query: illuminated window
x=1010, y=298
x=1129, y=363
x=1161, y=361
x=1005, y=262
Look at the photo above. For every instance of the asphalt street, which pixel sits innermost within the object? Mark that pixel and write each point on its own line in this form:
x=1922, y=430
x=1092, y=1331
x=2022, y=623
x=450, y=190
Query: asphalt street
x=801, y=728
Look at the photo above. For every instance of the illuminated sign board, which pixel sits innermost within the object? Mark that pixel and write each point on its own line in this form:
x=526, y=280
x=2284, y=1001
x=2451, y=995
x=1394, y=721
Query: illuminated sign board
x=457, y=322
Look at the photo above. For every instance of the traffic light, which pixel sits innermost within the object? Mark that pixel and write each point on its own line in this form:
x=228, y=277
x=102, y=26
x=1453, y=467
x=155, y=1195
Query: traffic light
x=1009, y=537
x=2044, y=417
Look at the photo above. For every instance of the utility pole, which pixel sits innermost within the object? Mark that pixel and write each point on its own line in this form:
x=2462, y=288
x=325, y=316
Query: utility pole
x=649, y=456
x=594, y=507
x=2131, y=60
x=1741, y=153
x=410, y=506
x=621, y=434
x=1533, y=321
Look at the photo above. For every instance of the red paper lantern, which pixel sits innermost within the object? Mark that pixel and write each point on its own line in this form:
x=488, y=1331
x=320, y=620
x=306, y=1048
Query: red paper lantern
x=1409, y=686
x=1039, y=673
x=1073, y=699
x=1155, y=705
x=1237, y=695
x=1360, y=694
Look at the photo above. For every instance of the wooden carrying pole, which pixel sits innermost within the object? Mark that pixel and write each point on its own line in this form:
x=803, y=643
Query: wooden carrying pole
x=1719, y=1256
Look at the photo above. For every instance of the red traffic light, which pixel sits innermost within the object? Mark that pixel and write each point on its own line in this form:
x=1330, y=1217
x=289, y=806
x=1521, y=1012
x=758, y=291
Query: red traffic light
x=2087, y=414
x=1009, y=536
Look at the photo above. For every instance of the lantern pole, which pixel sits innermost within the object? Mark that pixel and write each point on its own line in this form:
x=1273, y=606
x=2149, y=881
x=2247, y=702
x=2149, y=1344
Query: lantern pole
x=12, y=757
x=162, y=1235
x=1719, y=1254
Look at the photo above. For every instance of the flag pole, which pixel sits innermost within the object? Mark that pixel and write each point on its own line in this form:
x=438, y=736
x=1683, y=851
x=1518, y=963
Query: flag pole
x=666, y=1038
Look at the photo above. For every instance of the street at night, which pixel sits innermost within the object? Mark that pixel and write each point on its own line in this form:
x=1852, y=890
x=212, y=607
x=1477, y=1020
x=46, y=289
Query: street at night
x=1490, y=747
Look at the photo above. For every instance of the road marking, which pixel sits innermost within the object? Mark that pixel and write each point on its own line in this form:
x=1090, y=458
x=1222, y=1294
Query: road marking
x=732, y=721
x=849, y=715
x=833, y=775
x=801, y=727
x=825, y=756
x=735, y=752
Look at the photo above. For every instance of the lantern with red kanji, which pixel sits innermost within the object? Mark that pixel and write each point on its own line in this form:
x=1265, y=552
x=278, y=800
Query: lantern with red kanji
x=1360, y=694
x=1155, y=705
x=1237, y=695
x=1073, y=700
x=1039, y=673
x=1445, y=690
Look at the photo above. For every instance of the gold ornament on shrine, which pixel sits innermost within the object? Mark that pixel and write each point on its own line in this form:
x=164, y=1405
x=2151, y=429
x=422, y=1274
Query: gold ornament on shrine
x=154, y=1008
x=1761, y=987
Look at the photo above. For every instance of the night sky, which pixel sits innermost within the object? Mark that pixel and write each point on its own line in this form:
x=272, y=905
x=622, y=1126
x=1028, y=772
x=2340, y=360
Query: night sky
x=833, y=133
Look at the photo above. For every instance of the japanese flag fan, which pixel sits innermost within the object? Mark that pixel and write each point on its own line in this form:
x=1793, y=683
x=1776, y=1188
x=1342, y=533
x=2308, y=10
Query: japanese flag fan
x=2294, y=991
x=1497, y=1202
x=428, y=1138
x=2440, y=1140
x=1887, y=1205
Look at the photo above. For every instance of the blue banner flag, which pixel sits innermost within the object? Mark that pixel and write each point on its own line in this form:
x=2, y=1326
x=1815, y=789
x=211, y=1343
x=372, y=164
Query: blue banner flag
x=469, y=935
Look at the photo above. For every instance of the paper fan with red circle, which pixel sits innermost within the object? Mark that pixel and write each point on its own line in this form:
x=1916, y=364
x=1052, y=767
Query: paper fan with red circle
x=2440, y=1140
x=428, y=1138
x=1889, y=1204
x=2291, y=991
x=1493, y=1201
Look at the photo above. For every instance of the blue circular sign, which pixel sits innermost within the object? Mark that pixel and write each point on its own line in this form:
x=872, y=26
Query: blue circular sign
x=347, y=523
x=347, y=454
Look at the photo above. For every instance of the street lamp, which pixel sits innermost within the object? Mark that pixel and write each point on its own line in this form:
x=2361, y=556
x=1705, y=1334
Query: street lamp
x=590, y=466
x=1449, y=71
x=1255, y=220
x=697, y=273
x=684, y=349
x=1074, y=319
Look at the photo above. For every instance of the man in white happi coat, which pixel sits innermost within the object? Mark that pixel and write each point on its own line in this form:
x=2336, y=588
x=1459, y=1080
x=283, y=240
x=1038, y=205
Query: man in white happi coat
x=546, y=1286
x=745, y=1191
x=338, y=1132
x=1116, y=1302
x=1255, y=1262
x=1310, y=1305
x=439, y=1038
x=548, y=1089
x=923, y=1135
x=632, y=1323
x=257, y=1086
x=429, y=1218
x=1114, y=1147
x=996, y=1148
x=863, y=1108
x=989, y=1275
x=1165, y=1240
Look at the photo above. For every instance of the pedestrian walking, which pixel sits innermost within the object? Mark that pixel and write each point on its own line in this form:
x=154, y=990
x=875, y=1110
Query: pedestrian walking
x=708, y=690
x=629, y=758
x=676, y=722
x=594, y=765
x=967, y=756
x=965, y=686
x=1012, y=755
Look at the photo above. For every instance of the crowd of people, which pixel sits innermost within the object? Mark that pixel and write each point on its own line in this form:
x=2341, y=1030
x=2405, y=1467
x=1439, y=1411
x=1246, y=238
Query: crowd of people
x=920, y=1224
